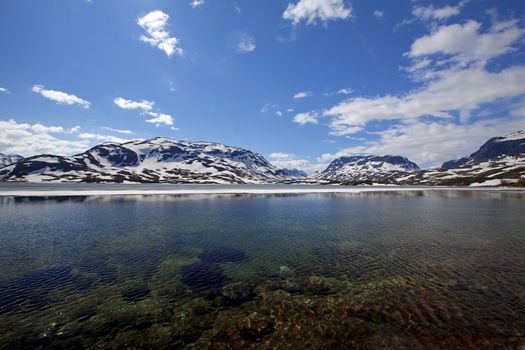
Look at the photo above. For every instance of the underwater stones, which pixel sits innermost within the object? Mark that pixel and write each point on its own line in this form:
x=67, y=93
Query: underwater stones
x=237, y=293
x=203, y=275
x=285, y=270
x=135, y=293
x=255, y=326
x=222, y=254
x=208, y=273
x=32, y=289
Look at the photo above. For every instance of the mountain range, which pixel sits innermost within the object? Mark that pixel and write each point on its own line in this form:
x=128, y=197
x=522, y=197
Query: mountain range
x=499, y=161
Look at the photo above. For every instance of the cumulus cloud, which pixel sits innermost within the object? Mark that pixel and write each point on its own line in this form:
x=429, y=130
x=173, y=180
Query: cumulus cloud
x=155, y=23
x=31, y=139
x=197, y=3
x=302, y=94
x=301, y=164
x=119, y=131
x=311, y=11
x=449, y=90
x=432, y=13
x=432, y=123
x=246, y=43
x=418, y=140
x=160, y=118
x=439, y=98
x=130, y=104
x=464, y=43
x=146, y=108
x=60, y=97
x=4, y=90
x=285, y=160
x=306, y=118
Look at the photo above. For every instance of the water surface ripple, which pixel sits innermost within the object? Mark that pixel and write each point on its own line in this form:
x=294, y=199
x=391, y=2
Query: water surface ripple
x=419, y=270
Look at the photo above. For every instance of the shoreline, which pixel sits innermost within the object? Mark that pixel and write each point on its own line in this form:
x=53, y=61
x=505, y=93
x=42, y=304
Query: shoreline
x=53, y=191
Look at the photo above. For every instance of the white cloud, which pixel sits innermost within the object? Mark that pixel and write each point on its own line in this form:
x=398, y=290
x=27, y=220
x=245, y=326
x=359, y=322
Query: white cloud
x=155, y=23
x=129, y=104
x=278, y=113
x=27, y=140
x=306, y=118
x=431, y=13
x=74, y=129
x=60, y=97
x=455, y=90
x=465, y=44
x=246, y=43
x=102, y=138
x=237, y=9
x=119, y=131
x=280, y=155
x=448, y=90
x=312, y=11
x=344, y=130
x=432, y=122
x=301, y=164
x=146, y=108
x=4, y=90
x=268, y=107
x=160, y=118
x=42, y=129
x=285, y=160
x=302, y=94
x=417, y=141
x=345, y=91
x=379, y=14
x=196, y=3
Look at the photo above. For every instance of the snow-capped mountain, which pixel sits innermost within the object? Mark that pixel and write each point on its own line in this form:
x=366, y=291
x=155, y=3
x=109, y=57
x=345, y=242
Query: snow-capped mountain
x=7, y=159
x=499, y=161
x=362, y=169
x=155, y=160
x=292, y=172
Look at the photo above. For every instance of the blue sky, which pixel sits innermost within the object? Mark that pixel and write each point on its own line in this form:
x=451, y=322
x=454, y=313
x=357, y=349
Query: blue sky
x=299, y=81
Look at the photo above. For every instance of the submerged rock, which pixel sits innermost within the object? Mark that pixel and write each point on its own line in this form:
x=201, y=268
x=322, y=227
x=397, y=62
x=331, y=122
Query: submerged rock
x=255, y=326
x=222, y=255
x=202, y=276
x=237, y=293
x=135, y=293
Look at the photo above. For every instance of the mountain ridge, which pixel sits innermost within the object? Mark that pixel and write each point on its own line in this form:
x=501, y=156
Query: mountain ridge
x=499, y=161
x=155, y=160
x=8, y=159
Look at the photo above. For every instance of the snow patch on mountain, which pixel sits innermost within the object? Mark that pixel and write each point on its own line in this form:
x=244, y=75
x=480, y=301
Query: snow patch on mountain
x=369, y=168
x=7, y=159
x=156, y=160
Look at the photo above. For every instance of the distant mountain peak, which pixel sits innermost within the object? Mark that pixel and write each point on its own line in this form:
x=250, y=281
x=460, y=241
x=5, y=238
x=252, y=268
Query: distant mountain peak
x=497, y=147
x=159, y=159
x=292, y=172
x=7, y=159
x=366, y=168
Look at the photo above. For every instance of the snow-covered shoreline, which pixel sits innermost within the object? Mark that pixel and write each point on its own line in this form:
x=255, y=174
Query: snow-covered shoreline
x=227, y=189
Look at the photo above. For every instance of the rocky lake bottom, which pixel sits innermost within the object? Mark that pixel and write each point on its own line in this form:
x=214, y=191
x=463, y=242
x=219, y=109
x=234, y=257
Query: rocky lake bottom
x=373, y=270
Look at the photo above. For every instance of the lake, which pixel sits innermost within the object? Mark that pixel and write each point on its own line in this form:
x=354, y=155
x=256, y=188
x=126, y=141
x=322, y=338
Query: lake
x=418, y=269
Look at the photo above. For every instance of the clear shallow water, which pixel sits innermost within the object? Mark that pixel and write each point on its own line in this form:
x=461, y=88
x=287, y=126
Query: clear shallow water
x=427, y=269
